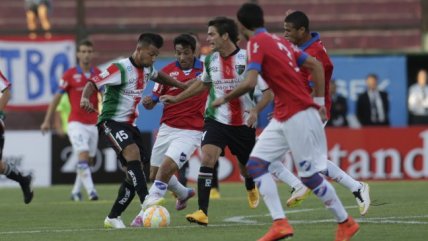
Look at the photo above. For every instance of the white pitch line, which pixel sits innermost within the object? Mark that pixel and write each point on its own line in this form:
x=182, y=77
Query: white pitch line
x=376, y=220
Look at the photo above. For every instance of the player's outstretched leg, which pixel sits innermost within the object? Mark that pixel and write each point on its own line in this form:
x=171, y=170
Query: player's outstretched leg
x=204, y=187
x=25, y=182
x=360, y=190
x=124, y=197
x=280, y=228
x=327, y=194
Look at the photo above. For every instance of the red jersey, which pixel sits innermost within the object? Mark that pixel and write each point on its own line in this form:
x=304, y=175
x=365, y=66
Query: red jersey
x=187, y=114
x=278, y=61
x=73, y=81
x=315, y=48
x=4, y=83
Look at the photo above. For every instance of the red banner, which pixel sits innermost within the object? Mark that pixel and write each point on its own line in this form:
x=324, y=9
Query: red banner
x=380, y=153
x=366, y=154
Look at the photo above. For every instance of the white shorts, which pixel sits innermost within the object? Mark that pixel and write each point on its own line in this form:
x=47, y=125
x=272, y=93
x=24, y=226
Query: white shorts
x=303, y=135
x=83, y=137
x=178, y=144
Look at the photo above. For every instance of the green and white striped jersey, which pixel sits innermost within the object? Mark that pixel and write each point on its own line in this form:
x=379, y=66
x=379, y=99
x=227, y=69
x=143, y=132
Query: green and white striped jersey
x=225, y=74
x=124, y=85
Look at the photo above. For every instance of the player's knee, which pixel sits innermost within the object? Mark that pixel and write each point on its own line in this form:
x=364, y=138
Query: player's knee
x=257, y=167
x=313, y=181
x=131, y=152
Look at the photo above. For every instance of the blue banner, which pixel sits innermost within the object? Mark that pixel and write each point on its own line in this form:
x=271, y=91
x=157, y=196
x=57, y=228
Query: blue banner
x=34, y=68
x=350, y=73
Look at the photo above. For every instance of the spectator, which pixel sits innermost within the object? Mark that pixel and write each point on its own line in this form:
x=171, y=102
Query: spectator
x=373, y=104
x=38, y=10
x=418, y=99
x=339, y=108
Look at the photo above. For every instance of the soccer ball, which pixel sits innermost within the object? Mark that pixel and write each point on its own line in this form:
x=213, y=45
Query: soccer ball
x=156, y=217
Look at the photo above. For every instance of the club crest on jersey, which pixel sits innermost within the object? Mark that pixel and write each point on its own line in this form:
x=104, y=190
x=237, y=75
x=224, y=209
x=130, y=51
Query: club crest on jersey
x=240, y=68
x=77, y=77
x=183, y=157
x=104, y=74
x=174, y=74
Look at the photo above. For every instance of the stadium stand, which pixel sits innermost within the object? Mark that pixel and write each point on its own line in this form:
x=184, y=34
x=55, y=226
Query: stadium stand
x=360, y=26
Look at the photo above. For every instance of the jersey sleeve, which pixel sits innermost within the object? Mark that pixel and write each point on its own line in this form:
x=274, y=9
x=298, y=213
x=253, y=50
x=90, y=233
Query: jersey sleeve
x=4, y=83
x=110, y=76
x=255, y=56
x=158, y=90
x=206, y=76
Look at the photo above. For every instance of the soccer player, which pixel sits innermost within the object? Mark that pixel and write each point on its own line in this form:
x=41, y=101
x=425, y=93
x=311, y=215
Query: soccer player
x=296, y=125
x=226, y=126
x=180, y=132
x=296, y=25
x=124, y=83
x=215, y=188
x=82, y=131
x=7, y=169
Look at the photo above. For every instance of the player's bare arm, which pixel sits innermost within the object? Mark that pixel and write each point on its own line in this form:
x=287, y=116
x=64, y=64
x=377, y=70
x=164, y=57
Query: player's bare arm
x=267, y=97
x=194, y=89
x=85, y=104
x=245, y=86
x=165, y=79
x=317, y=71
x=148, y=103
x=4, y=99
x=46, y=125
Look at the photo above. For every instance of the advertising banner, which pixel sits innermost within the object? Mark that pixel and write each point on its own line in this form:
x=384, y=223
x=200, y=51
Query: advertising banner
x=365, y=154
x=381, y=153
x=34, y=68
x=30, y=152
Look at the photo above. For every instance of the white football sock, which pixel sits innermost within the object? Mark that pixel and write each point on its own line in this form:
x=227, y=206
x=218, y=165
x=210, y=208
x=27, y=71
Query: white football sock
x=280, y=171
x=269, y=192
x=177, y=188
x=341, y=177
x=158, y=188
x=77, y=183
x=327, y=194
x=86, y=176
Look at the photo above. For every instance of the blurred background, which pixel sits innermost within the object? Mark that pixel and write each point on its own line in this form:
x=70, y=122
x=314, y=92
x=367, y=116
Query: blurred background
x=386, y=37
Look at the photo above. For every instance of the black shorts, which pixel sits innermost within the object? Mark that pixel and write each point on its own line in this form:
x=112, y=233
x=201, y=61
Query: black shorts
x=119, y=135
x=239, y=139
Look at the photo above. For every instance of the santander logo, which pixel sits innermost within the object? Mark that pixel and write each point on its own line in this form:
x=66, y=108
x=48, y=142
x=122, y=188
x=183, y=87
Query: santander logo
x=399, y=155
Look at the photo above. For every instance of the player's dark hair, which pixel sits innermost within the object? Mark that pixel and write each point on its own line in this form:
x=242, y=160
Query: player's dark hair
x=250, y=15
x=151, y=39
x=298, y=19
x=225, y=25
x=84, y=42
x=186, y=40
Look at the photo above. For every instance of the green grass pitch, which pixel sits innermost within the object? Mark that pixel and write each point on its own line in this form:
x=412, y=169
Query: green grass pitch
x=399, y=212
